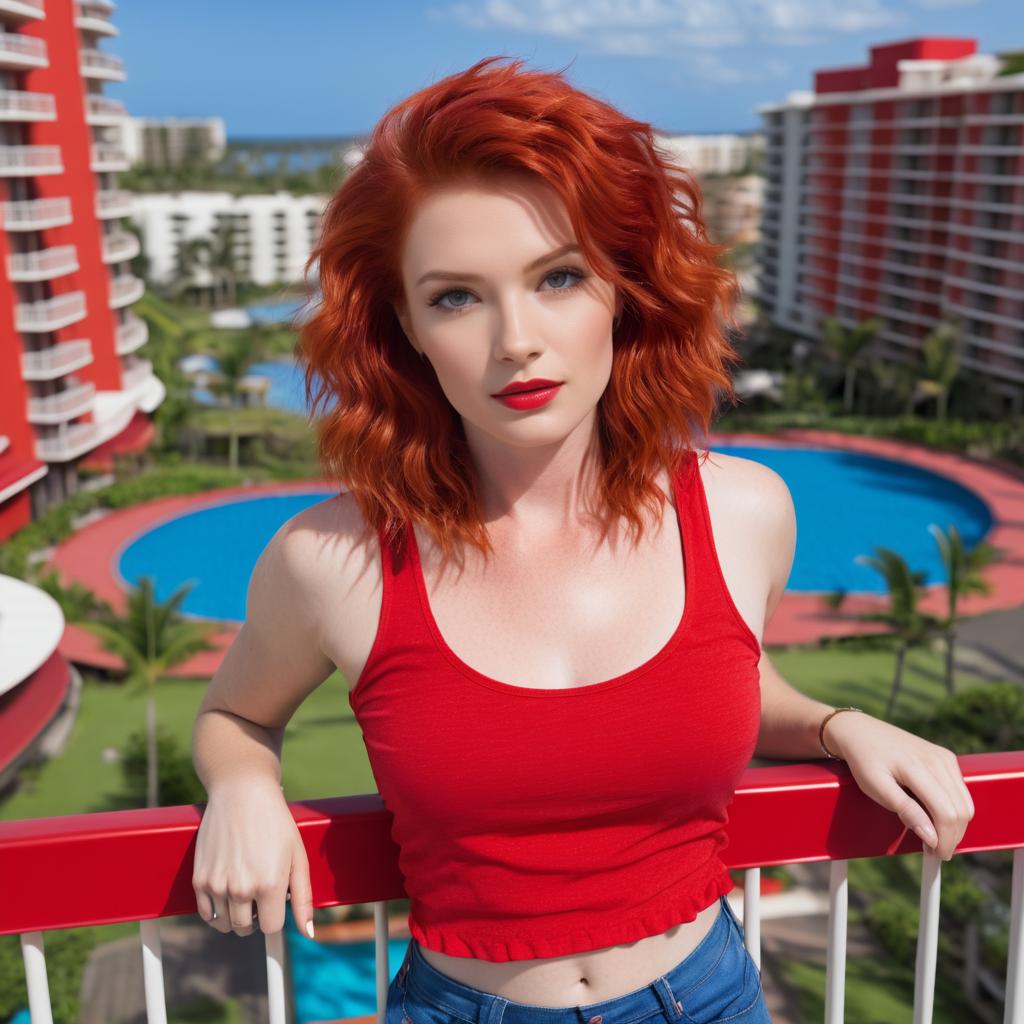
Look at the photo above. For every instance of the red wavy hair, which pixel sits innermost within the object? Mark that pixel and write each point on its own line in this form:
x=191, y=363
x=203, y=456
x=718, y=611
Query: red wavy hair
x=391, y=434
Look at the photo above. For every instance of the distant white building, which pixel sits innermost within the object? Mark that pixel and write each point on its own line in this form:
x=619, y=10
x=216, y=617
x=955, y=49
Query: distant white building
x=174, y=141
x=274, y=233
x=713, y=154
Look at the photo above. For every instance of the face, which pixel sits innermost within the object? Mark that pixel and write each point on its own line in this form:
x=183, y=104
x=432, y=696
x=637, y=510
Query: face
x=492, y=297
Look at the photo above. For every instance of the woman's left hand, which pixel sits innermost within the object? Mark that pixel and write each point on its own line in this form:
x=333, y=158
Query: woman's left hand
x=883, y=758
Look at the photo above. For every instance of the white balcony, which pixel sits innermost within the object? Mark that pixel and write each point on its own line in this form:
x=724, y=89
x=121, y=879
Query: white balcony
x=97, y=64
x=103, y=110
x=25, y=161
x=43, y=265
x=72, y=441
x=108, y=156
x=125, y=290
x=136, y=375
x=92, y=18
x=57, y=360
x=50, y=314
x=131, y=335
x=22, y=9
x=17, y=105
x=62, y=407
x=35, y=214
x=21, y=51
x=120, y=245
x=113, y=203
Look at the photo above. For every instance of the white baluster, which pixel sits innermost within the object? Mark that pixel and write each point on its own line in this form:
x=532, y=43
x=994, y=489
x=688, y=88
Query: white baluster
x=1014, y=1012
x=927, y=938
x=276, y=1003
x=835, y=949
x=153, y=971
x=34, y=955
x=752, y=913
x=380, y=939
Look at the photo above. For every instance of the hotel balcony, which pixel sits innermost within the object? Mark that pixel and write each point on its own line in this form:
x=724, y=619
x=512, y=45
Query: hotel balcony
x=113, y=203
x=43, y=265
x=120, y=245
x=103, y=110
x=108, y=156
x=57, y=360
x=97, y=64
x=91, y=17
x=23, y=9
x=35, y=214
x=60, y=408
x=131, y=335
x=136, y=375
x=136, y=865
x=50, y=314
x=26, y=161
x=21, y=51
x=125, y=290
x=72, y=441
x=27, y=106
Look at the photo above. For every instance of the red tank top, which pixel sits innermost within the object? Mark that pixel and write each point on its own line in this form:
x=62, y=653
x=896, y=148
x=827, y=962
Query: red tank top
x=538, y=822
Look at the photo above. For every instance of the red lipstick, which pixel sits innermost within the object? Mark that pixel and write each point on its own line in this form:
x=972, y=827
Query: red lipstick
x=528, y=394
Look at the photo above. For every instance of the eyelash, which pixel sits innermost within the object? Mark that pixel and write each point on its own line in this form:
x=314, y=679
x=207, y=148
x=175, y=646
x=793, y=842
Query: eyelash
x=436, y=298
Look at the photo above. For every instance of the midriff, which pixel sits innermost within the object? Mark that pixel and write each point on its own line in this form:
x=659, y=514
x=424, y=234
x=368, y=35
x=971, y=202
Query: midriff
x=589, y=977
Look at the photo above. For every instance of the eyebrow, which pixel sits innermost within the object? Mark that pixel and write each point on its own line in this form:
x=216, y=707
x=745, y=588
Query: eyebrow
x=450, y=274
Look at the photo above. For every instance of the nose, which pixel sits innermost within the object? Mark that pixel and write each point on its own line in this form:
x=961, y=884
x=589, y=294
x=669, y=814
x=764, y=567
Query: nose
x=513, y=340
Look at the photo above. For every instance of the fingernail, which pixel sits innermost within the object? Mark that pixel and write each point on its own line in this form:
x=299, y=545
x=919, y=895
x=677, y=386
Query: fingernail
x=309, y=928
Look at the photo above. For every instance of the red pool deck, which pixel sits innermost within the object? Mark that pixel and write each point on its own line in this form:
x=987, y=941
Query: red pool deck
x=90, y=555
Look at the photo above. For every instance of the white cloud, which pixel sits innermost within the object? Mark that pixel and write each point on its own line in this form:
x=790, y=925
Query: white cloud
x=665, y=28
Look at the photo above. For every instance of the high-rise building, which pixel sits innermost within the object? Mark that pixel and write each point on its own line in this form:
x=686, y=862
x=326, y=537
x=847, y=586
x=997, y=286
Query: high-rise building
x=896, y=190
x=72, y=385
x=173, y=141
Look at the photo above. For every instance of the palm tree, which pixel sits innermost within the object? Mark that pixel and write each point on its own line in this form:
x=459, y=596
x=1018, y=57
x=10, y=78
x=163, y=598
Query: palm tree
x=222, y=259
x=150, y=637
x=908, y=623
x=192, y=262
x=963, y=576
x=848, y=345
x=238, y=353
x=941, y=350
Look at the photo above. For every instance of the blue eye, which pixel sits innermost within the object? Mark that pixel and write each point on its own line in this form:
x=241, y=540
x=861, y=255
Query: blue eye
x=435, y=300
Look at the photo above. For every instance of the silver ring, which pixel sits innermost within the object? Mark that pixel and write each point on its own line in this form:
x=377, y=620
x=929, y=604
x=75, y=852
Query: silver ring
x=214, y=918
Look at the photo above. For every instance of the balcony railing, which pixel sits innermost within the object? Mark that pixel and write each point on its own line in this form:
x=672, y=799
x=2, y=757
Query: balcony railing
x=23, y=8
x=34, y=214
x=25, y=161
x=131, y=335
x=134, y=375
x=72, y=441
x=43, y=265
x=113, y=202
x=97, y=64
x=90, y=18
x=84, y=870
x=120, y=245
x=57, y=360
x=107, y=156
x=103, y=110
x=50, y=314
x=27, y=106
x=21, y=51
x=125, y=290
x=64, y=406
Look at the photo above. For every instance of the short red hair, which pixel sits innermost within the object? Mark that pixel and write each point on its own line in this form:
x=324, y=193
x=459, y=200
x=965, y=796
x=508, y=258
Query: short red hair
x=384, y=425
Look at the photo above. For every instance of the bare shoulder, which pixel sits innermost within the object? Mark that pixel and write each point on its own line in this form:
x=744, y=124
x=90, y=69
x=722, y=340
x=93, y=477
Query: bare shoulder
x=746, y=484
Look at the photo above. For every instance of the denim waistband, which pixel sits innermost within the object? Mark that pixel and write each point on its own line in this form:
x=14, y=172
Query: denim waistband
x=663, y=993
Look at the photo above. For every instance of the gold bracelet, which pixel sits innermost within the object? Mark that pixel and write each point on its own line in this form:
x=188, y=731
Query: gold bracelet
x=821, y=731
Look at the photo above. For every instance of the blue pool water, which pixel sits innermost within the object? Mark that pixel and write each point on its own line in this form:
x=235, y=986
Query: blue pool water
x=275, y=312
x=287, y=386
x=846, y=505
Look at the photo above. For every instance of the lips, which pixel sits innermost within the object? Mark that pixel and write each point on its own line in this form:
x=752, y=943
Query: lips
x=525, y=386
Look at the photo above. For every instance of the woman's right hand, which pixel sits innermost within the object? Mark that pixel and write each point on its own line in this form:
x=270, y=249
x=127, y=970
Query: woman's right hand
x=248, y=849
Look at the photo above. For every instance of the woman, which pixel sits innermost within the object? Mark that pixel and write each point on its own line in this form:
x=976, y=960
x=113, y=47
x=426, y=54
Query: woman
x=547, y=604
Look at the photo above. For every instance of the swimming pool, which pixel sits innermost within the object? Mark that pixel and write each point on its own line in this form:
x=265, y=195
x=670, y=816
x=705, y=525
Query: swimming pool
x=287, y=386
x=847, y=503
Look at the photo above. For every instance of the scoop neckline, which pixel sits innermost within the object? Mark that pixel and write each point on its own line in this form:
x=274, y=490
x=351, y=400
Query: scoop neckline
x=685, y=541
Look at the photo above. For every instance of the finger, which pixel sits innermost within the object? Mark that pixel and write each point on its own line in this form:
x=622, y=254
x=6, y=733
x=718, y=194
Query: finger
x=961, y=797
x=240, y=912
x=301, y=891
x=939, y=812
x=219, y=912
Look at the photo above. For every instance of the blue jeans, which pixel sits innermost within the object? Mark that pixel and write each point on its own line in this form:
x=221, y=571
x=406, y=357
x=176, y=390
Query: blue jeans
x=717, y=982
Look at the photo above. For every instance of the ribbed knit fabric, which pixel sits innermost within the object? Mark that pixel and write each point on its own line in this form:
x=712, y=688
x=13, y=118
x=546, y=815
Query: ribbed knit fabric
x=538, y=822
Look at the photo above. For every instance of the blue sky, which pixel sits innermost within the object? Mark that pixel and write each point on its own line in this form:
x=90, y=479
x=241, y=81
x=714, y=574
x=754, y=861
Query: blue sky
x=318, y=68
